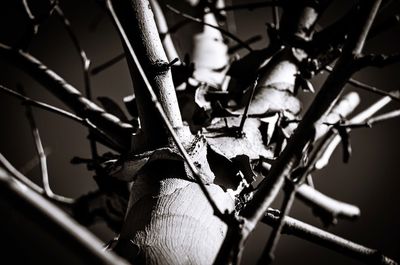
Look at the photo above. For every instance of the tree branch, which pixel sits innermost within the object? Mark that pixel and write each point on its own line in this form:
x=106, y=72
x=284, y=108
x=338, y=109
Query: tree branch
x=322, y=104
x=107, y=64
x=85, y=62
x=326, y=239
x=162, y=27
x=120, y=132
x=40, y=152
x=372, y=121
x=293, y=153
x=168, y=120
x=42, y=105
x=85, y=122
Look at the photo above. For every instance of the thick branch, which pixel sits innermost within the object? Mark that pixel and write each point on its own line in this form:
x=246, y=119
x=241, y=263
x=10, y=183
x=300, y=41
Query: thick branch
x=305, y=132
x=119, y=131
x=137, y=22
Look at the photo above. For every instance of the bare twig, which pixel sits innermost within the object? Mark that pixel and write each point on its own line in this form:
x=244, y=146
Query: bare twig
x=249, y=41
x=249, y=6
x=246, y=109
x=34, y=24
x=372, y=121
x=223, y=31
x=322, y=238
x=162, y=27
x=20, y=177
x=393, y=94
x=62, y=113
x=40, y=151
x=268, y=255
x=42, y=105
x=33, y=162
x=85, y=62
x=107, y=64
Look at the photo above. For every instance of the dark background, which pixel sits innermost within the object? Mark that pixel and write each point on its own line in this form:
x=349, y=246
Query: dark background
x=370, y=180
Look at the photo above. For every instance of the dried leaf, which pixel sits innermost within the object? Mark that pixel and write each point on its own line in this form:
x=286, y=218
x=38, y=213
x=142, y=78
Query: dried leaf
x=223, y=137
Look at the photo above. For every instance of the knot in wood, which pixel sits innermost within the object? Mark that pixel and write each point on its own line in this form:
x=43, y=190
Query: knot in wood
x=159, y=67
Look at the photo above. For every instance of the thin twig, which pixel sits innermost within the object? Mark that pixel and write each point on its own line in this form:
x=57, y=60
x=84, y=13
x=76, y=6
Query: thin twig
x=33, y=26
x=223, y=31
x=61, y=112
x=246, y=109
x=42, y=105
x=161, y=112
x=107, y=64
x=32, y=163
x=268, y=255
x=85, y=62
x=20, y=177
x=162, y=27
x=40, y=151
x=372, y=121
x=249, y=41
x=249, y=6
x=393, y=94
x=322, y=238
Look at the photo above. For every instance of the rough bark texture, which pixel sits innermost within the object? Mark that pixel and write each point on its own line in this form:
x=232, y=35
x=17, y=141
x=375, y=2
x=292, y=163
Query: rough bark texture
x=169, y=220
x=138, y=22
